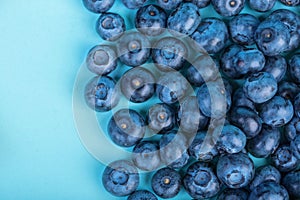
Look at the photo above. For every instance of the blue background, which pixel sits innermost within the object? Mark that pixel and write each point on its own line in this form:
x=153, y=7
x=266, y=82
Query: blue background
x=42, y=46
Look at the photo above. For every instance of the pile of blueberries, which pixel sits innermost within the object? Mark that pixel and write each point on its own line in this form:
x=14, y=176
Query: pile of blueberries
x=244, y=72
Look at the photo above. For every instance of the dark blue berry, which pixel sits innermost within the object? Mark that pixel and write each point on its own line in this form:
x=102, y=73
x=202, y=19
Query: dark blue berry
x=166, y=183
x=233, y=194
x=101, y=93
x=292, y=129
x=284, y=159
x=288, y=90
x=200, y=3
x=292, y=184
x=290, y=2
x=126, y=127
x=295, y=146
x=142, y=195
x=98, y=6
x=297, y=105
x=241, y=100
x=134, y=4
x=262, y=5
x=227, y=60
x=269, y=191
x=228, y=8
x=110, y=26
x=294, y=68
x=120, y=178
x=277, y=66
x=169, y=4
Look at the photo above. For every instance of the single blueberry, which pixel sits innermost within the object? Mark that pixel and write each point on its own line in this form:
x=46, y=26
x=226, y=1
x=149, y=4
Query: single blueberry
x=295, y=146
x=292, y=129
x=166, y=183
x=297, y=105
x=277, y=66
x=292, y=184
x=151, y=20
x=110, y=26
x=241, y=100
x=284, y=159
x=142, y=195
x=134, y=4
x=98, y=6
x=228, y=8
x=138, y=84
x=235, y=170
x=277, y=112
x=200, y=181
x=169, y=4
x=265, y=143
x=290, y=2
x=126, y=127
x=294, y=68
x=120, y=178
x=233, y=194
x=288, y=90
x=262, y=5
x=269, y=190
x=101, y=93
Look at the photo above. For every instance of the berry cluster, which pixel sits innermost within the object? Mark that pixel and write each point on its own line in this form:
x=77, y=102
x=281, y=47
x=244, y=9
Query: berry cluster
x=227, y=91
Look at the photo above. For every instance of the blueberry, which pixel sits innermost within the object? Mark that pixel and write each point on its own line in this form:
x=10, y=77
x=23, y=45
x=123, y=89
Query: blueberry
x=295, y=146
x=235, y=170
x=169, y=54
x=142, y=195
x=200, y=181
x=200, y=3
x=120, y=178
x=151, y=20
x=260, y=87
x=272, y=37
x=277, y=66
x=169, y=4
x=264, y=174
x=228, y=58
x=110, y=26
x=290, y=2
x=101, y=94
x=101, y=60
x=211, y=34
x=294, y=68
x=233, y=194
x=241, y=100
x=190, y=117
x=269, y=190
x=262, y=5
x=171, y=87
x=242, y=28
x=297, y=105
x=228, y=8
x=214, y=99
x=277, y=112
x=288, y=90
x=292, y=184
x=133, y=49
x=202, y=147
x=292, y=129
x=146, y=155
x=265, y=143
x=126, y=127
x=184, y=20
x=284, y=159
x=138, y=84
x=134, y=4
x=98, y=6
x=173, y=149
x=166, y=183
x=161, y=117
x=229, y=139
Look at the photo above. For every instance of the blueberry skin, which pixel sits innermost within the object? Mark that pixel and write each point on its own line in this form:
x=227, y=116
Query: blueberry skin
x=288, y=90
x=133, y=49
x=242, y=28
x=265, y=143
x=277, y=66
x=201, y=151
x=126, y=128
x=294, y=68
x=227, y=60
x=110, y=26
x=262, y=5
x=264, y=174
x=284, y=159
x=171, y=87
x=233, y=194
x=138, y=84
x=169, y=4
x=297, y=105
x=213, y=92
x=120, y=178
x=272, y=37
x=101, y=93
x=200, y=3
x=146, y=155
x=200, y=181
x=101, y=59
x=277, y=112
x=98, y=6
x=184, y=20
x=235, y=170
x=173, y=149
x=269, y=190
x=292, y=129
x=161, y=117
x=211, y=34
x=151, y=20
x=229, y=139
x=166, y=183
x=134, y=4
x=142, y=195
x=247, y=120
x=292, y=184
x=228, y=8
x=169, y=54
x=260, y=87
x=190, y=118
x=295, y=146
x=290, y=2
x=241, y=100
